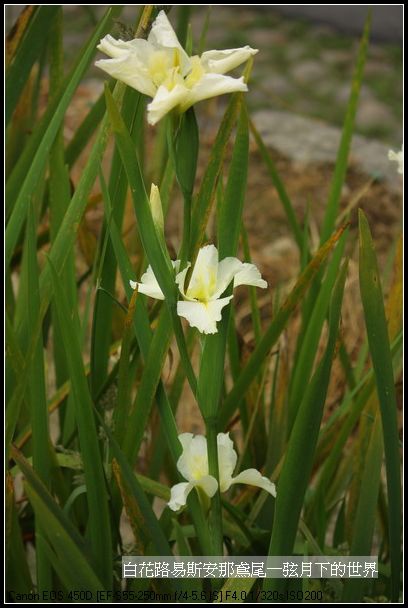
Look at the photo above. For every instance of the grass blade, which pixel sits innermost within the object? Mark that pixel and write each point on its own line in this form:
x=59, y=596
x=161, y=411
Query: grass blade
x=280, y=188
x=132, y=111
x=143, y=334
x=26, y=54
x=85, y=130
x=229, y=224
x=16, y=400
x=59, y=190
x=377, y=333
x=206, y=194
x=97, y=498
x=138, y=418
x=211, y=376
x=157, y=256
x=275, y=329
x=152, y=245
x=38, y=402
x=26, y=173
x=300, y=451
x=307, y=352
x=184, y=154
x=70, y=556
x=67, y=232
x=122, y=409
x=346, y=137
x=140, y=525
x=364, y=518
x=17, y=572
x=151, y=523
x=230, y=211
x=355, y=404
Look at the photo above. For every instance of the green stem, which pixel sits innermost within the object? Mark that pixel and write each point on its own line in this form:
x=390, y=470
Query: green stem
x=185, y=244
x=216, y=508
x=184, y=355
x=200, y=523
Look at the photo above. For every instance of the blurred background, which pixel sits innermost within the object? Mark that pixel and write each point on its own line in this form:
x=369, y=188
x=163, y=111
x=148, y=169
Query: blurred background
x=305, y=58
x=298, y=93
x=298, y=96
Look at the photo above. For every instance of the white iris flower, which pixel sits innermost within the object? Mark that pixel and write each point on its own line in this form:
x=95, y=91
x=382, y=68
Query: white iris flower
x=193, y=466
x=160, y=68
x=398, y=157
x=202, y=302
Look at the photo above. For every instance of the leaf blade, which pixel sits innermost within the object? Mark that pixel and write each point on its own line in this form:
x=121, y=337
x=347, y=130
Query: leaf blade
x=99, y=519
x=377, y=333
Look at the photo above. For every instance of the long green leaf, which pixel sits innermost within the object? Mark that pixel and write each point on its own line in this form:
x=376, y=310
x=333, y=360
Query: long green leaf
x=364, y=518
x=132, y=111
x=211, y=376
x=137, y=521
x=59, y=198
x=14, y=359
x=99, y=520
x=158, y=257
x=280, y=188
x=69, y=549
x=25, y=176
x=140, y=324
x=377, y=333
x=59, y=253
x=27, y=53
x=229, y=214
x=139, y=415
x=275, y=329
x=206, y=194
x=38, y=401
x=300, y=451
x=16, y=566
x=184, y=153
x=229, y=224
x=122, y=409
x=16, y=400
x=255, y=312
x=354, y=406
x=346, y=137
x=143, y=334
x=85, y=130
x=152, y=525
x=67, y=232
x=155, y=251
x=307, y=352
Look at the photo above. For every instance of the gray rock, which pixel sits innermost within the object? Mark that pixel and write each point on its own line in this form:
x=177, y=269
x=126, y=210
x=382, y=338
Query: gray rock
x=309, y=141
x=371, y=113
x=308, y=72
x=387, y=23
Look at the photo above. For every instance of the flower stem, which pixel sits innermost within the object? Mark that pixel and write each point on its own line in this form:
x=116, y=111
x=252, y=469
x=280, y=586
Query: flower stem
x=200, y=523
x=216, y=509
x=185, y=245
